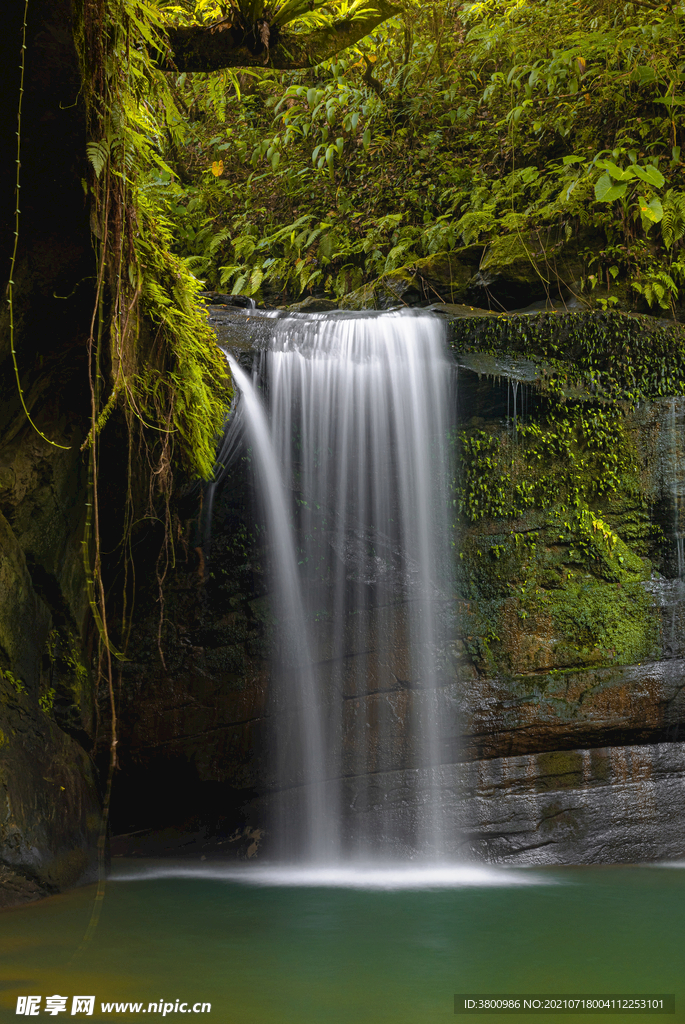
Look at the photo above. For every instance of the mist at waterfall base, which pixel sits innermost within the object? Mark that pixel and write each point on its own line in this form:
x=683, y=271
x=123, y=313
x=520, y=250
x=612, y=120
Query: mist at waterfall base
x=348, y=422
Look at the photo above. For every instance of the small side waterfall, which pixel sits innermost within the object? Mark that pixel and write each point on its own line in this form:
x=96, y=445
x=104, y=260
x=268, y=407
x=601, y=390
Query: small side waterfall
x=352, y=451
x=677, y=490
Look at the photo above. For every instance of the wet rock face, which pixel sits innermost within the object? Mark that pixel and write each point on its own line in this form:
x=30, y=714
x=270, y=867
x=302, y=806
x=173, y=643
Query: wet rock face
x=590, y=806
x=49, y=803
x=50, y=817
x=193, y=727
x=599, y=806
x=51, y=814
x=603, y=805
x=561, y=714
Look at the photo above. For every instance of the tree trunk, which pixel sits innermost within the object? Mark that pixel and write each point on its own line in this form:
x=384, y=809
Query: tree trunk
x=199, y=48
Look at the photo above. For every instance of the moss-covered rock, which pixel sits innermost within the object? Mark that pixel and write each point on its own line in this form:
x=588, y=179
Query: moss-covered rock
x=313, y=304
x=616, y=355
x=512, y=272
x=443, y=277
x=48, y=835
x=52, y=818
x=565, y=488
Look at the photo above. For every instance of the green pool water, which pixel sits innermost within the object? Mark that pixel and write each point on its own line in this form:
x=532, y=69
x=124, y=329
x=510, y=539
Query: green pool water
x=314, y=950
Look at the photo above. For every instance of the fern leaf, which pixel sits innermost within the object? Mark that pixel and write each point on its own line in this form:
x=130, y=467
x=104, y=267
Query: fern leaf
x=98, y=155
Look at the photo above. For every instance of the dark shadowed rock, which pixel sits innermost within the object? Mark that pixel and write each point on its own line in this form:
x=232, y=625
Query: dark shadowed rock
x=222, y=299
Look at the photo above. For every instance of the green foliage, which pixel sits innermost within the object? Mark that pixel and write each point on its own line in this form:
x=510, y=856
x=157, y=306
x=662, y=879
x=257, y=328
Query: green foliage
x=574, y=454
x=167, y=373
x=602, y=620
x=609, y=354
x=449, y=125
x=567, y=593
x=46, y=700
x=15, y=683
x=550, y=560
x=63, y=650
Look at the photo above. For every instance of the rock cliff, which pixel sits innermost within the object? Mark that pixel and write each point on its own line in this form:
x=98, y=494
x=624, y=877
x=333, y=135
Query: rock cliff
x=562, y=713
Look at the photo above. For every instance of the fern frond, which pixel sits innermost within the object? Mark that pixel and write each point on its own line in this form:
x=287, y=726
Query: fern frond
x=98, y=155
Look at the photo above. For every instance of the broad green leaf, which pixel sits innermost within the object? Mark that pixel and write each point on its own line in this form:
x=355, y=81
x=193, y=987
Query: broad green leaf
x=652, y=175
x=652, y=210
x=615, y=171
x=644, y=74
x=670, y=101
x=606, y=191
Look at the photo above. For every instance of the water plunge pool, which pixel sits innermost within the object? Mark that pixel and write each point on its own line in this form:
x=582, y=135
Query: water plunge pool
x=279, y=946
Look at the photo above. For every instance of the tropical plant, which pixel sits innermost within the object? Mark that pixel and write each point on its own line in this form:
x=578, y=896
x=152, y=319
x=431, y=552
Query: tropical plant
x=469, y=123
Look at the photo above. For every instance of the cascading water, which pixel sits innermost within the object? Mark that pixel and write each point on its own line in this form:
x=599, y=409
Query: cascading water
x=670, y=592
x=352, y=458
x=677, y=429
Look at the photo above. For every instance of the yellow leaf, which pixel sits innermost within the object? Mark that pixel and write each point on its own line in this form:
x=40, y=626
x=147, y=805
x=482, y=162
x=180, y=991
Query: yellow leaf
x=217, y=168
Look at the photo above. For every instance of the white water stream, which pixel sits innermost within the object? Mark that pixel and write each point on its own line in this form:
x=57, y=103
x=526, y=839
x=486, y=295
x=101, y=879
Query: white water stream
x=351, y=450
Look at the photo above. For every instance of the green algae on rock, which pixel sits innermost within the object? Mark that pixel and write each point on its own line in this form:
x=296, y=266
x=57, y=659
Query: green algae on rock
x=558, y=535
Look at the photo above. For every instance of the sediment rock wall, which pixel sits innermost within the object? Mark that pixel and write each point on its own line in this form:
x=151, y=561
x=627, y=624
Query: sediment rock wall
x=562, y=714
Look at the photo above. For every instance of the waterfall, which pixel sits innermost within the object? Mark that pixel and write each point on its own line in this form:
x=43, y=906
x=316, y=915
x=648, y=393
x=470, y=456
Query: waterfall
x=677, y=419
x=352, y=454
x=292, y=649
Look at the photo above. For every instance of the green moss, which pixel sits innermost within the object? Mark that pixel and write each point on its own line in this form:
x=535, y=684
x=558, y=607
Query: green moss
x=569, y=455
x=163, y=366
x=567, y=593
x=600, y=620
x=565, y=767
x=615, y=355
x=187, y=394
x=556, y=528
x=68, y=673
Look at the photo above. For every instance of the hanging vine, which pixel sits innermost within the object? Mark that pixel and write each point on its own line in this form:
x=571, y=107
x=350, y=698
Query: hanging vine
x=153, y=361
x=13, y=258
